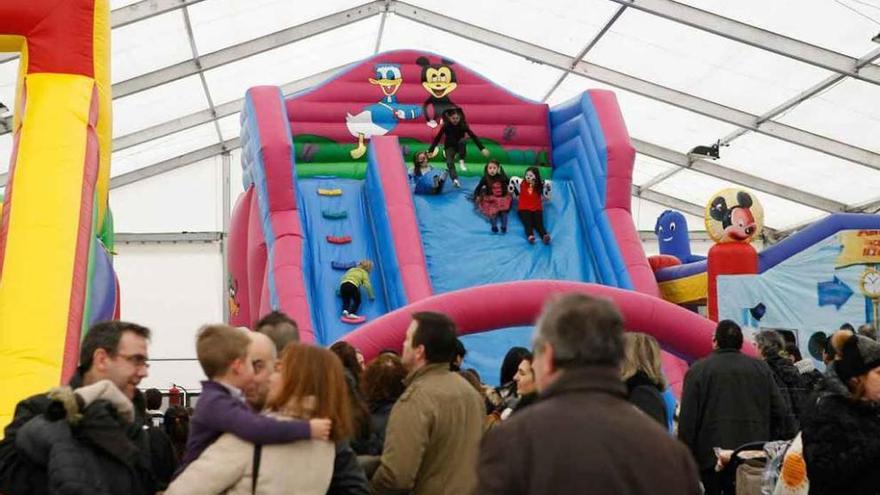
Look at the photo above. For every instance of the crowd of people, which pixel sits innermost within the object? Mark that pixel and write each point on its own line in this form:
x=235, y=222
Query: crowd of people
x=583, y=411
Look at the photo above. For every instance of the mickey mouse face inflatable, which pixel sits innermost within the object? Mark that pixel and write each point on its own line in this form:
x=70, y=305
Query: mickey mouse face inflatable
x=734, y=215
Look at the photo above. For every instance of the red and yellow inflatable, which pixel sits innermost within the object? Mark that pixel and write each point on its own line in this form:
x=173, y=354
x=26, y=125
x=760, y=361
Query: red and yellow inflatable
x=56, y=197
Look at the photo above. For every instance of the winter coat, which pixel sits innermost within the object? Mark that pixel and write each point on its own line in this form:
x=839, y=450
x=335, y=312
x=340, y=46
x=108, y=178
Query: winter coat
x=433, y=435
x=226, y=466
x=730, y=399
x=90, y=454
x=643, y=393
x=379, y=414
x=791, y=384
x=583, y=436
x=348, y=476
x=841, y=439
x=20, y=474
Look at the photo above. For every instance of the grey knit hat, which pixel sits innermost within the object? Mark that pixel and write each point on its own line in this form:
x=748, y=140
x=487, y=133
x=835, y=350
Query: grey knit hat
x=858, y=355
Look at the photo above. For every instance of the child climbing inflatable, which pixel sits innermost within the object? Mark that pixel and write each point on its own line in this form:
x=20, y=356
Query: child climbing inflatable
x=350, y=290
x=454, y=130
x=425, y=178
x=492, y=197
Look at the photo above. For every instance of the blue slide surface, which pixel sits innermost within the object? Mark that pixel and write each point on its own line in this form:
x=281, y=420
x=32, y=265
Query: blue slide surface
x=323, y=279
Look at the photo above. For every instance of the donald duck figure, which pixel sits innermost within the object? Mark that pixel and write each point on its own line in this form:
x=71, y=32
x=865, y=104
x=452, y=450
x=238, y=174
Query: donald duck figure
x=381, y=117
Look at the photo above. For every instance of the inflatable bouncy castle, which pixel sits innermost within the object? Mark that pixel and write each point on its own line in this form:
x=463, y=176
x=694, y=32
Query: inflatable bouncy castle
x=325, y=185
x=56, y=231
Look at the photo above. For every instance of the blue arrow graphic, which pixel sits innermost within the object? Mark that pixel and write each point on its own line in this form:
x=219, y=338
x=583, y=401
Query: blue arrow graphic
x=834, y=293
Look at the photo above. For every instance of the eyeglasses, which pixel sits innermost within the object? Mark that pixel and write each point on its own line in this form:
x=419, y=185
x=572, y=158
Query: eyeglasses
x=136, y=360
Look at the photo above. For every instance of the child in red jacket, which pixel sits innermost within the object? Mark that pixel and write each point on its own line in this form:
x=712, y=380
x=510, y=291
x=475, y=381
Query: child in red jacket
x=531, y=208
x=492, y=197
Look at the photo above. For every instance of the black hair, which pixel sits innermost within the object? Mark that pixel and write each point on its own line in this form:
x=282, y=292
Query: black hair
x=539, y=183
x=436, y=332
x=280, y=328
x=105, y=335
x=511, y=362
x=728, y=335
x=848, y=326
x=460, y=351
x=153, y=398
x=417, y=170
x=792, y=349
x=501, y=176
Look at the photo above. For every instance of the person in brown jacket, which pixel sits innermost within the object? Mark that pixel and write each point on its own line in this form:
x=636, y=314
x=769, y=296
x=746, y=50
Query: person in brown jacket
x=582, y=435
x=433, y=434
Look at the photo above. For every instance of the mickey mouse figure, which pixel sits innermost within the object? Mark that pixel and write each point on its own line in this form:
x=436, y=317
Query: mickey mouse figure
x=737, y=221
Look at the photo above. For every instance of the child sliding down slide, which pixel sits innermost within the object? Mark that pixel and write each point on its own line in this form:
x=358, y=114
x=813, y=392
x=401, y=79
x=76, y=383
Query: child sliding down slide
x=531, y=207
x=454, y=129
x=350, y=290
x=492, y=197
x=425, y=179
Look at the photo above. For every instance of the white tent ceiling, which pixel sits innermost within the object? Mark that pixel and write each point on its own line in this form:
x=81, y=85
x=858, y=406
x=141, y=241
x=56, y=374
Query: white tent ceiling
x=790, y=85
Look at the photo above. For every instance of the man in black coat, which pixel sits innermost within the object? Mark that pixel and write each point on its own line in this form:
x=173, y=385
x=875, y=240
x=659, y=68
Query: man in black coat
x=729, y=399
x=114, y=352
x=582, y=436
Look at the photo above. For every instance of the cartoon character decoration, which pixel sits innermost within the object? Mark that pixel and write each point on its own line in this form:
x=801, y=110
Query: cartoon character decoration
x=381, y=117
x=439, y=81
x=734, y=215
x=672, y=233
x=234, y=306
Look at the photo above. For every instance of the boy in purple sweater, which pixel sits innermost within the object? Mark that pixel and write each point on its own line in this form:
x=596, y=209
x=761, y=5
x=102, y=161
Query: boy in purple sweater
x=223, y=353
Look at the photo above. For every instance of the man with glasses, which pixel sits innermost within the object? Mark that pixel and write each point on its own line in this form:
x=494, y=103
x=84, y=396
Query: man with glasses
x=97, y=426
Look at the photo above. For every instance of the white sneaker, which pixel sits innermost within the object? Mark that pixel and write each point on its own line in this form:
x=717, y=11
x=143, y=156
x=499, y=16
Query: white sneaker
x=353, y=316
x=456, y=183
x=463, y=166
x=345, y=313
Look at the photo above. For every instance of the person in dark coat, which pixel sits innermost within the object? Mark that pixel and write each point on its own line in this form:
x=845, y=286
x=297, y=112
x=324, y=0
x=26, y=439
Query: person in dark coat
x=582, y=436
x=841, y=422
x=643, y=376
x=382, y=386
x=729, y=399
x=114, y=351
x=788, y=378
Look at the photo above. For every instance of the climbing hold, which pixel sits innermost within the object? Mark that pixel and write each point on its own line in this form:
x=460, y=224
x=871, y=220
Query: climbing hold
x=329, y=192
x=335, y=215
x=338, y=239
x=343, y=265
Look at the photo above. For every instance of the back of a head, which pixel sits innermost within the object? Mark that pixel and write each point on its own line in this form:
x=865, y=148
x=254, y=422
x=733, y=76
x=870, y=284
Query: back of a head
x=280, y=328
x=868, y=330
x=347, y=354
x=153, y=398
x=770, y=343
x=383, y=379
x=176, y=423
x=848, y=326
x=728, y=335
x=217, y=346
x=856, y=356
x=642, y=353
x=583, y=331
x=312, y=381
x=105, y=335
x=511, y=362
x=436, y=332
x=792, y=350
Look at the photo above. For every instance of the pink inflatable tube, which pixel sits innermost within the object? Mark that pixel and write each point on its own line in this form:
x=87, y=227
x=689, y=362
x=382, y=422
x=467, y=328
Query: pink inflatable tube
x=489, y=307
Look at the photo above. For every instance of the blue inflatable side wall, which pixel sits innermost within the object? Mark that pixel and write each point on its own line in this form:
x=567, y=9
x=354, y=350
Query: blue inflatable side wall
x=579, y=155
x=389, y=270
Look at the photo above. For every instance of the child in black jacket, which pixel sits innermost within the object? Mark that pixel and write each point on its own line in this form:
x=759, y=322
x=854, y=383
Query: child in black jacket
x=454, y=129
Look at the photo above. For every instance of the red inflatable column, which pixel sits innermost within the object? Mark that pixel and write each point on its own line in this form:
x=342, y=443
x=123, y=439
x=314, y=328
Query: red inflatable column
x=728, y=258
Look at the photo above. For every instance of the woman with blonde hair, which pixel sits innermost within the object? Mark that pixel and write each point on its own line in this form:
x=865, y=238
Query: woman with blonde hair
x=644, y=379
x=310, y=383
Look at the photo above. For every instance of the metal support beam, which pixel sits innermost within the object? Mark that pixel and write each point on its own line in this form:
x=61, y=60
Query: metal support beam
x=168, y=237
x=583, y=53
x=205, y=116
x=173, y=163
x=757, y=37
x=247, y=49
x=195, y=57
x=387, y=7
x=226, y=205
x=802, y=96
x=135, y=12
x=727, y=173
x=639, y=86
